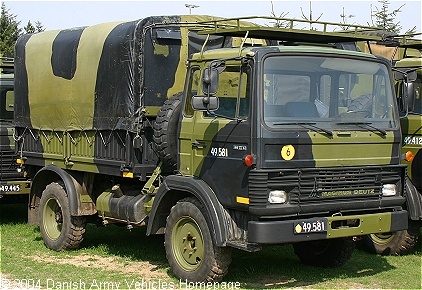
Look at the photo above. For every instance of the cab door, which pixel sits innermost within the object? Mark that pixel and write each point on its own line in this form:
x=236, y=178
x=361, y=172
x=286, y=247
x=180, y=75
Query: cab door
x=214, y=144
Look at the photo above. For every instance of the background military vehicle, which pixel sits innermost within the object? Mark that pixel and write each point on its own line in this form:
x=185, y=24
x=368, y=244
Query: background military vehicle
x=408, y=89
x=13, y=186
x=243, y=147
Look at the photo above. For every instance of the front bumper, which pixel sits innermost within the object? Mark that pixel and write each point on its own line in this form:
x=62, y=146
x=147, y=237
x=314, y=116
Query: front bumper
x=279, y=232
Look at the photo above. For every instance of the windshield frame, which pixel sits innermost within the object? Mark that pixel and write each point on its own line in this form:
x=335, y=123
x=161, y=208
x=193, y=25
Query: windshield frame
x=391, y=122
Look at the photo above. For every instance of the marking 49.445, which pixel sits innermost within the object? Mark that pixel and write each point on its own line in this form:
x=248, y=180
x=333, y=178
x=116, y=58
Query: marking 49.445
x=10, y=187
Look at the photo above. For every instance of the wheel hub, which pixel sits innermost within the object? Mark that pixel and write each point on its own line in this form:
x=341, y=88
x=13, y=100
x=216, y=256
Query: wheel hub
x=59, y=217
x=188, y=244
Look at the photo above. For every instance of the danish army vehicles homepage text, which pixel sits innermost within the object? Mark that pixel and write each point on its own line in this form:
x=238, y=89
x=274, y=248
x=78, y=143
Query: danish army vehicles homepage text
x=242, y=146
x=13, y=185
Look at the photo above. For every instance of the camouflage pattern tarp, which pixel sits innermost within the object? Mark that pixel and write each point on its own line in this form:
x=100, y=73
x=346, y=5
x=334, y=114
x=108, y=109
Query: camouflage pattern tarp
x=104, y=76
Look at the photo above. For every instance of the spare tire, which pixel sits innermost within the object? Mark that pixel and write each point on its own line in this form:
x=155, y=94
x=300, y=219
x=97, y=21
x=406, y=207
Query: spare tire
x=165, y=131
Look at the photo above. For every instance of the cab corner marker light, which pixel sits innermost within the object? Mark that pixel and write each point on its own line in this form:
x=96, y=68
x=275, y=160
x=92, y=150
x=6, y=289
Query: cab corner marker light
x=127, y=174
x=240, y=199
x=409, y=156
x=249, y=160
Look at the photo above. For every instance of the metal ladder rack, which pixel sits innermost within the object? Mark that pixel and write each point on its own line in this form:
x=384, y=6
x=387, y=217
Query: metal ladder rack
x=240, y=27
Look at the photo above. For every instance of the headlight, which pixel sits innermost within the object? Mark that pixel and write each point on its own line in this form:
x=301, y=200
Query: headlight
x=389, y=189
x=277, y=196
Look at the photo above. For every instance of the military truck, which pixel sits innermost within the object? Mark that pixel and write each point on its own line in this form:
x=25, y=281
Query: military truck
x=408, y=88
x=13, y=185
x=233, y=146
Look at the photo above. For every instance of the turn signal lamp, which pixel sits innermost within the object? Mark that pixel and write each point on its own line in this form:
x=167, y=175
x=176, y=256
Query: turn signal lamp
x=409, y=156
x=248, y=160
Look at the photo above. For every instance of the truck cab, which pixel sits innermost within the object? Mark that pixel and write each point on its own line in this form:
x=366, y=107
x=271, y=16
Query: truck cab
x=13, y=186
x=299, y=144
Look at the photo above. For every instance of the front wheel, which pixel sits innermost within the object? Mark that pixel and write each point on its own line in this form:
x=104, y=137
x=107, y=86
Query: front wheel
x=396, y=243
x=190, y=250
x=329, y=253
x=59, y=230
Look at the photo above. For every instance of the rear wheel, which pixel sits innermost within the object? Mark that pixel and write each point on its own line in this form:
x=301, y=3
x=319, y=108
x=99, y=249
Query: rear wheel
x=329, y=253
x=190, y=249
x=59, y=230
x=396, y=243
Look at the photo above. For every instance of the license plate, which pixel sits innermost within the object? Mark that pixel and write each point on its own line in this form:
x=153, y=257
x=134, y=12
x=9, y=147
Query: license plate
x=317, y=225
x=10, y=187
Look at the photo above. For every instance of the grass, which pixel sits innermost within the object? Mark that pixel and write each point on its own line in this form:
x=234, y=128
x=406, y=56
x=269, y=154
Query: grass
x=117, y=257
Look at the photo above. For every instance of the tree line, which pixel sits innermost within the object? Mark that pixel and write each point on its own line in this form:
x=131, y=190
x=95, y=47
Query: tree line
x=10, y=30
x=381, y=17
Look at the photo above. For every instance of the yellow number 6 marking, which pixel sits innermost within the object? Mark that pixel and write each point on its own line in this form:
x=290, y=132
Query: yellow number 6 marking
x=288, y=152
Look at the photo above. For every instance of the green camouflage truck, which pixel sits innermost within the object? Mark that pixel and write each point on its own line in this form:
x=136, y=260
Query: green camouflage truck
x=13, y=185
x=408, y=88
x=238, y=145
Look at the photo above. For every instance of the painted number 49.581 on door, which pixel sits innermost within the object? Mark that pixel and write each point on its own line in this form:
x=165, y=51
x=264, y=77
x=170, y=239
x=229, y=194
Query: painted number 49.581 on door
x=219, y=152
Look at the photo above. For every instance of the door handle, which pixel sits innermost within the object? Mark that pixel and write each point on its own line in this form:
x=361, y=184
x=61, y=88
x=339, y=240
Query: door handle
x=199, y=145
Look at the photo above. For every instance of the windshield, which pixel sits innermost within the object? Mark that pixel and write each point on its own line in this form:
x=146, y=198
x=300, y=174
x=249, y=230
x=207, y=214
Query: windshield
x=327, y=91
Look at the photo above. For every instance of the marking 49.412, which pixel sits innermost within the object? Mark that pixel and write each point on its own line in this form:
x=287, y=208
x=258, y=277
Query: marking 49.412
x=409, y=140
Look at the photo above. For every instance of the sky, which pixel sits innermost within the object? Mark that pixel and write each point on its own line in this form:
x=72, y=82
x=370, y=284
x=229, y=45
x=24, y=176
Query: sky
x=67, y=14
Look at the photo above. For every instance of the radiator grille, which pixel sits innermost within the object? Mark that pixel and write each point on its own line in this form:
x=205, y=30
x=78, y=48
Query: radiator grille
x=311, y=185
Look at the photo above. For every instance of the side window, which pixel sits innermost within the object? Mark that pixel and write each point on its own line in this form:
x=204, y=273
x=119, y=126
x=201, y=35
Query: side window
x=233, y=92
x=194, y=88
x=417, y=90
x=10, y=97
x=6, y=103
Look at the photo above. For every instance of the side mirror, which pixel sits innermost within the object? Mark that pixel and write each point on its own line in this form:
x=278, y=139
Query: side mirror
x=398, y=75
x=205, y=103
x=412, y=76
x=210, y=81
x=410, y=96
x=210, y=77
x=406, y=76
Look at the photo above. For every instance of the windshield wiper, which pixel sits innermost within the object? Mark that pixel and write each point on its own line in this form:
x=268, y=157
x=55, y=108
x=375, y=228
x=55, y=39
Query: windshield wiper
x=362, y=124
x=310, y=124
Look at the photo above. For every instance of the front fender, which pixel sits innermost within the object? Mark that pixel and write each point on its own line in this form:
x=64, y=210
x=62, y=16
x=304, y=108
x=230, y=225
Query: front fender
x=413, y=201
x=177, y=187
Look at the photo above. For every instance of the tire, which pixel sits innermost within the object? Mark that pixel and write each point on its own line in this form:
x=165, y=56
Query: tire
x=395, y=244
x=190, y=249
x=59, y=230
x=165, y=131
x=329, y=253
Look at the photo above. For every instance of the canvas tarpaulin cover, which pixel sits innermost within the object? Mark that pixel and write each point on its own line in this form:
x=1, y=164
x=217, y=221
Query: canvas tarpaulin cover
x=100, y=77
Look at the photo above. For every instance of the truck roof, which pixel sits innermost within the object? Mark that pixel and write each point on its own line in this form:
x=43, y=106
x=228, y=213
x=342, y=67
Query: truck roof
x=222, y=53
